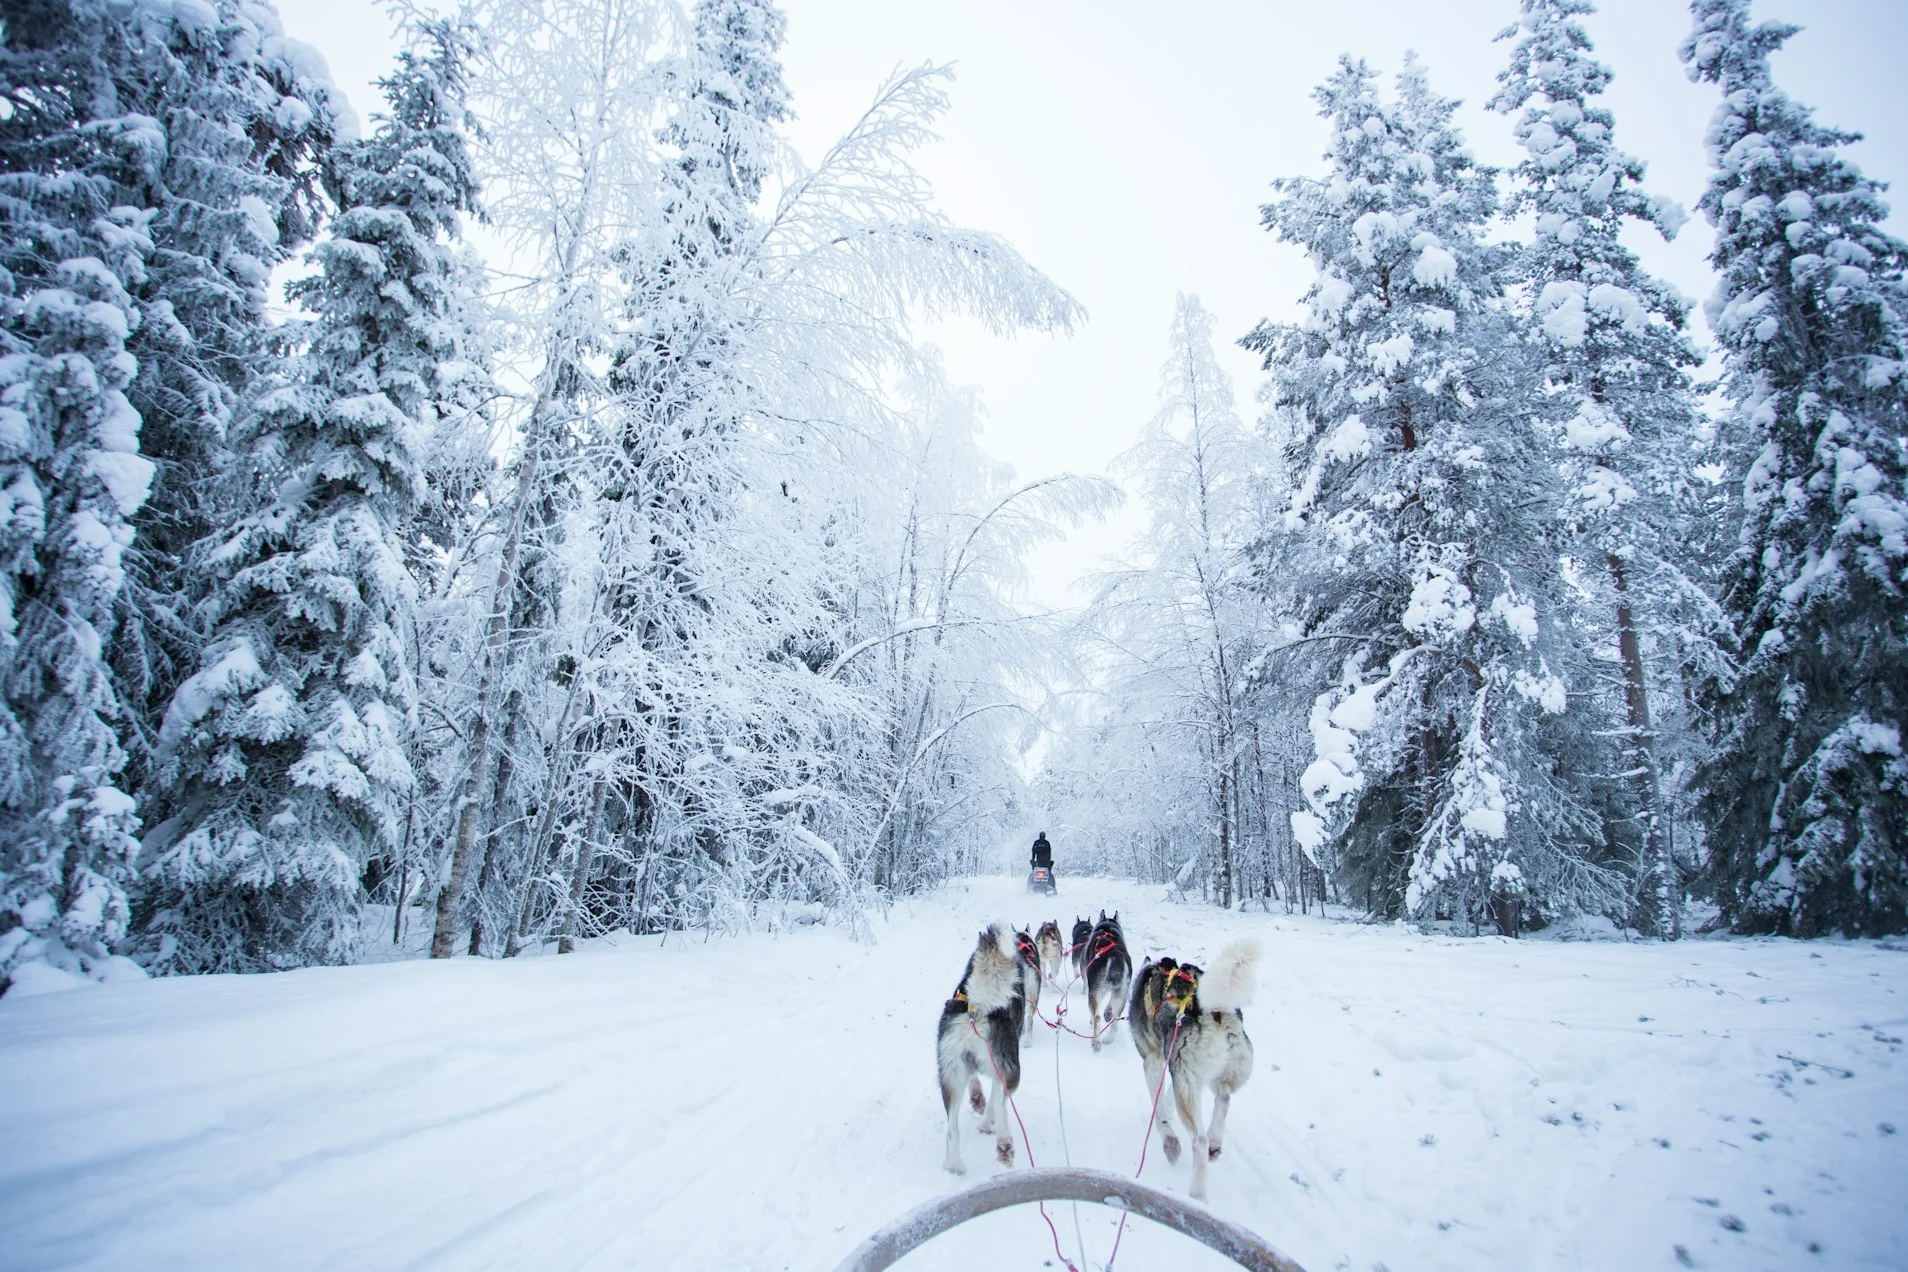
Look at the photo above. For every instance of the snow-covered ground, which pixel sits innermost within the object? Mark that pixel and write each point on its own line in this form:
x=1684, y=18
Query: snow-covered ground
x=765, y=1102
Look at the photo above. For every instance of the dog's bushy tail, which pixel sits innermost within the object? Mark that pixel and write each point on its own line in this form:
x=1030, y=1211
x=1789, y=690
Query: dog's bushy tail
x=994, y=974
x=1231, y=981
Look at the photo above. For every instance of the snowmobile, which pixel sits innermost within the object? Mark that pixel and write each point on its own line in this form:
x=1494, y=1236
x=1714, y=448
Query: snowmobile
x=1040, y=879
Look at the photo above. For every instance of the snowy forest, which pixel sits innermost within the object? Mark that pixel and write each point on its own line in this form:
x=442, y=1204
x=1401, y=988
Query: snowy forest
x=529, y=508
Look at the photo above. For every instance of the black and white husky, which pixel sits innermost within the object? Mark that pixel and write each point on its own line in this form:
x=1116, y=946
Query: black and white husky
x=1109, y=969
x=980, y=1038
x=1188, y=1022
x=1081, y=931
x=1028, y=951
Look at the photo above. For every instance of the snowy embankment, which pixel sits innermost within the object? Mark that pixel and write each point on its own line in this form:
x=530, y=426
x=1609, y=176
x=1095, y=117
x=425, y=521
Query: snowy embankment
x=765, y=1102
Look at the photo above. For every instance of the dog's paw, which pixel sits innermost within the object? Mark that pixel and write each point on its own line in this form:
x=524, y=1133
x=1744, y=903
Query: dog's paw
x=1004, y=1151
x=1171, y=1145
x=975, y=1099
x=1212, y=1152
x=954, y=1166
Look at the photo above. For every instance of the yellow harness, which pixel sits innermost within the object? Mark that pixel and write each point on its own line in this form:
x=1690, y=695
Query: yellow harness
x=1182, y=1001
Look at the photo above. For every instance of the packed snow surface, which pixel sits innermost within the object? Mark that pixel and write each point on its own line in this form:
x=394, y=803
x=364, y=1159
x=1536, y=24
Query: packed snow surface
x=765, y=1102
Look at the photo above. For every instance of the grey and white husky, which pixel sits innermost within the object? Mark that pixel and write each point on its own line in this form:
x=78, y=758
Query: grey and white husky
x=980, y=1038
x=1053, y=951
x=1188, y=1022
x=1027, y=949
x=1109, y=969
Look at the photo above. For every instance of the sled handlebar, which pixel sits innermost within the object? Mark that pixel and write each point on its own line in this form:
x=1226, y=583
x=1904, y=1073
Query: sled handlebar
x=1099, y=1187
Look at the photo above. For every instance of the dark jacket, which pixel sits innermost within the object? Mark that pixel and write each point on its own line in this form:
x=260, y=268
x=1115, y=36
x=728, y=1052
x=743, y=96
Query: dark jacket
x=1043, y=853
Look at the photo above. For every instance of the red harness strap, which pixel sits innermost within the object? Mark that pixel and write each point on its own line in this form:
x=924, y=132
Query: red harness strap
x=1002, y=1083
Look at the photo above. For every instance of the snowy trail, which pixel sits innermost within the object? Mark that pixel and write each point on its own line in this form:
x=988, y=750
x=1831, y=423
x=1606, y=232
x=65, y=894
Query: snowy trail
x=763, y=1103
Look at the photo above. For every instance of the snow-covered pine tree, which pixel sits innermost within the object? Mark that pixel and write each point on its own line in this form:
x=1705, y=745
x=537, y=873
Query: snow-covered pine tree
x=1419, y=538
x=1806, y=792
x=1620, y=407
x=72, y=252
x=245, y=113
x=286, y=753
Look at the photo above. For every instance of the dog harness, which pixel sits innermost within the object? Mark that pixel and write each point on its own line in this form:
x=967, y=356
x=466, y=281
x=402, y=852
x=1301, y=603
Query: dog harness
x=1180, y=1001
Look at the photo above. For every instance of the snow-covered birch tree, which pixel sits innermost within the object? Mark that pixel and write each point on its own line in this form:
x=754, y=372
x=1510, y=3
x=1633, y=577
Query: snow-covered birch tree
x=1182, y=623
x=569, y=95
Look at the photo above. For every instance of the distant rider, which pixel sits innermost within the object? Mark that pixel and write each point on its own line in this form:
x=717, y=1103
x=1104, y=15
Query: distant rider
x=1042, y=853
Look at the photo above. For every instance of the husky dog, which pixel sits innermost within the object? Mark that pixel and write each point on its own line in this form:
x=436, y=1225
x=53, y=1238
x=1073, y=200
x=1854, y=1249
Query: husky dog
x=1028, y=951
x=1108, y=969
x=1081, y=931
x=980, y=1036
x=1052, y=953
x=1188, y=1022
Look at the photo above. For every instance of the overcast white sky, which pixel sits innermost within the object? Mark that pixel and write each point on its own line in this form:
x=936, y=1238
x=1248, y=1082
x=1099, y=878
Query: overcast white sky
x=1124, y=146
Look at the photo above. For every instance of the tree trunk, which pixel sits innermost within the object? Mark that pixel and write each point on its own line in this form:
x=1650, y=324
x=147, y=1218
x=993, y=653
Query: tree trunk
x=1663, y=911
x=1225, y=840
x=444, y=936
x=580, y=875
x=404, y=888
x=477, y=765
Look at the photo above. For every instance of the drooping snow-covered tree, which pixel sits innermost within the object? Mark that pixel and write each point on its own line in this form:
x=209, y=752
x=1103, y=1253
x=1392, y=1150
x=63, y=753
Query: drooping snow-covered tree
x=568, y=93
x=1620, y=413
x=1418, y=540
x=659, y=732
x=286, y=755
x=942, y=653
x=1806, y=792
x=73, y=252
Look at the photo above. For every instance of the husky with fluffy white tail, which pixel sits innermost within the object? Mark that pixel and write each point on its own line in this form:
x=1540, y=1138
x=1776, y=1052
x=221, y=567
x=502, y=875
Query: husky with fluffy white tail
x=979, y=1039
x=1188, y=1022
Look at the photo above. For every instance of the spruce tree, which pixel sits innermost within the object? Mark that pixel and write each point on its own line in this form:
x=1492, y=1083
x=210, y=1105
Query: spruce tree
x=1620, y=412
x=286, y=753
x=72, y=253
x=1806, y=792
x=1416, y=540
x=245, y=112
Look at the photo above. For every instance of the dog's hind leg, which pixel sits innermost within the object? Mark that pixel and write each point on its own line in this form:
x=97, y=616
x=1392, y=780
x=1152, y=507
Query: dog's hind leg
x=951, y=1097
x=1093, y=1010
x=986, y=1107
x=1004, y=1136
x=1155, y=1078
x=1216, y=1132
x=1187, y=1096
